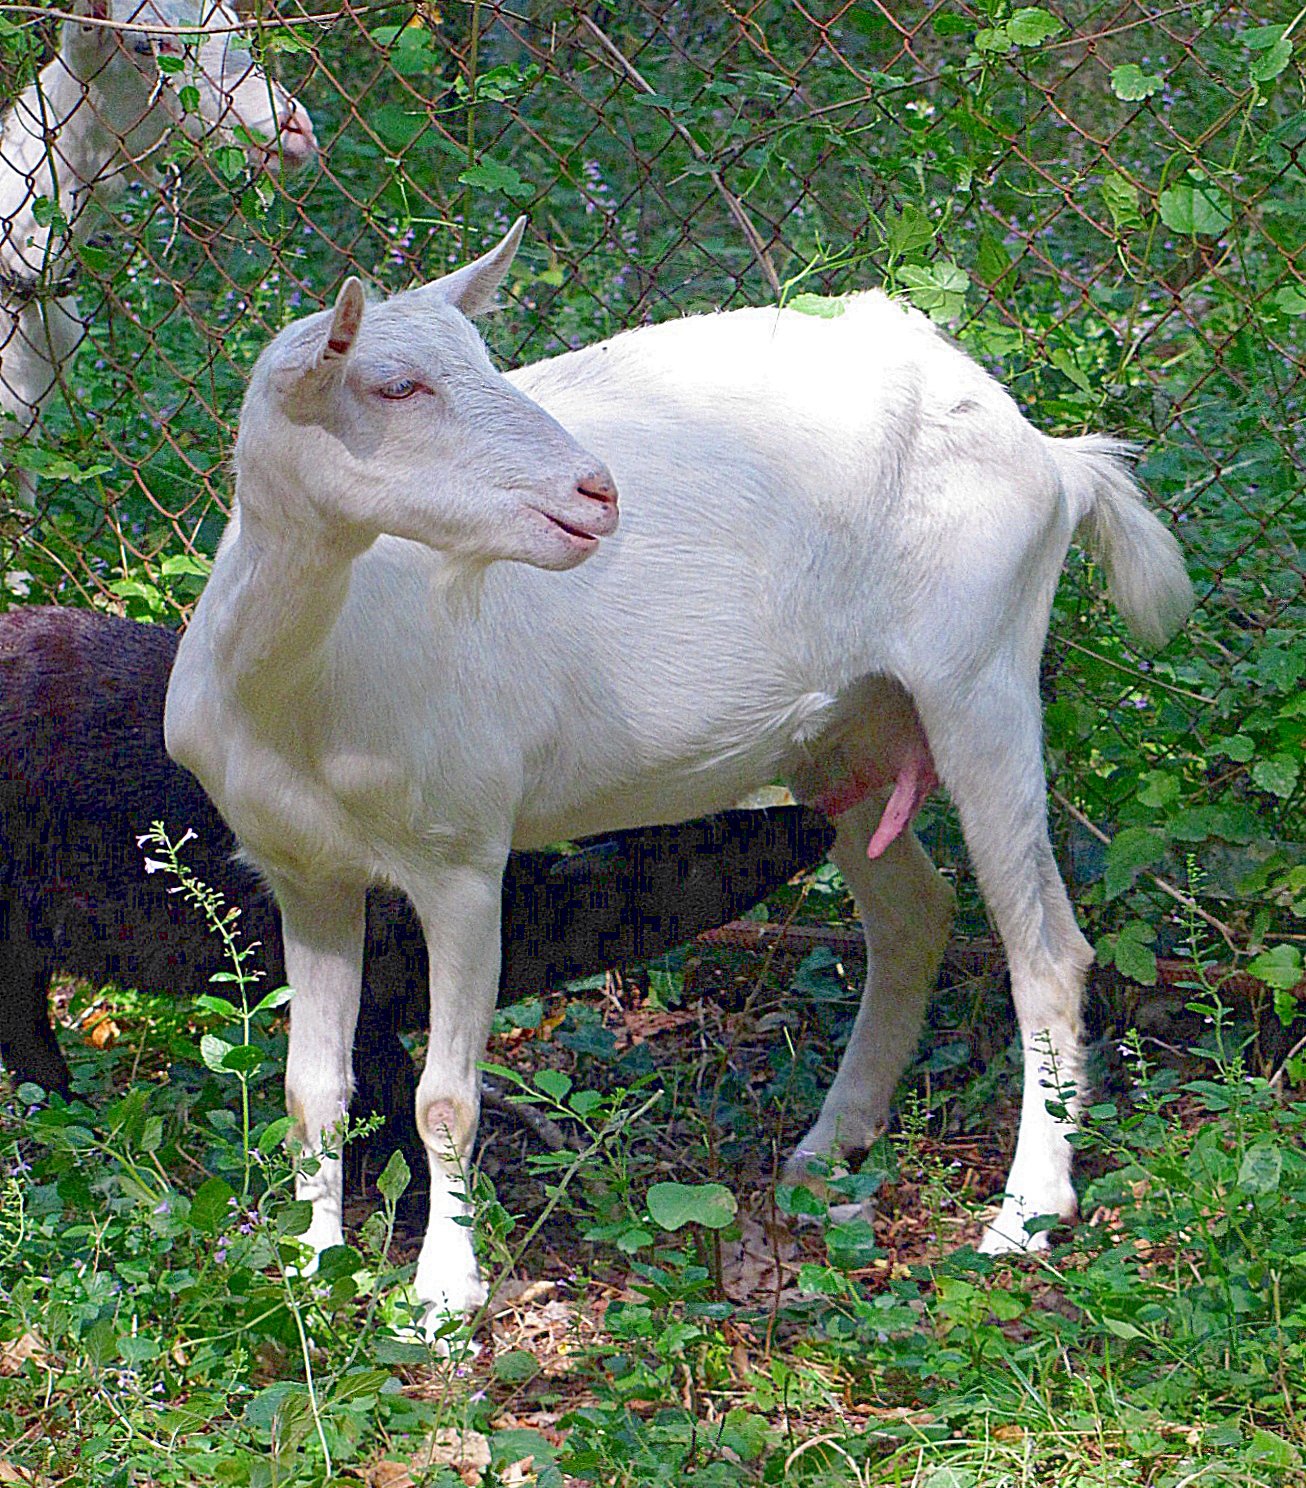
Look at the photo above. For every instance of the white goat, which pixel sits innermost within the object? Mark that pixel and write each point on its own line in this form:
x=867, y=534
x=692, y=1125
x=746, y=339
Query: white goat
x=837, y=555
x=93, y=121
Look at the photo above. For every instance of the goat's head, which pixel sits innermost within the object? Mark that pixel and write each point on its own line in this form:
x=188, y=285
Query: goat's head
x=391, y=419
x=183, y=64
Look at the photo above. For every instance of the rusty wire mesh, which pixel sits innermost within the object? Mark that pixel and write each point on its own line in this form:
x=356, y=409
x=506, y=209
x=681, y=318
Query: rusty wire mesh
x=1106, y=202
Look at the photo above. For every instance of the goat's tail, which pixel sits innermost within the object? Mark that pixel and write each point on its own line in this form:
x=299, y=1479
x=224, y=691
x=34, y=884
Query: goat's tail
x=1144, y=566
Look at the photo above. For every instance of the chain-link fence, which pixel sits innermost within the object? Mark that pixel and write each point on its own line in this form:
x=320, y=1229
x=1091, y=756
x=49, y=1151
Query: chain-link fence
x=1105, y=202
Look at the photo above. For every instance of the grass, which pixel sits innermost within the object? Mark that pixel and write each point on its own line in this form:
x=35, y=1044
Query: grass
x=657, y=1317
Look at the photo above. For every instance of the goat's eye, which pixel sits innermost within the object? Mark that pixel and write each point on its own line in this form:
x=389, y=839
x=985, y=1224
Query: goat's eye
x=144, y=47
x=401, y=387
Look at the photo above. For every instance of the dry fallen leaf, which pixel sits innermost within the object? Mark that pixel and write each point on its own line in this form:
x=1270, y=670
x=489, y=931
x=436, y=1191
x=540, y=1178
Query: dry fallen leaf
x=11, y=1474
x=387, y=1474
x=466, y=1452
x=13, y=1356
x=100, y=1030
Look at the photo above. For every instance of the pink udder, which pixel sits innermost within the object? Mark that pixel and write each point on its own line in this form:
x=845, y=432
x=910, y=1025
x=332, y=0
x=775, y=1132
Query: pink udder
x=912, y=784
x=915, y=781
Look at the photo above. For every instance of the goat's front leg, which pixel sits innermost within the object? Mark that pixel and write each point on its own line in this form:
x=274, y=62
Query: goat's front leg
x=459, y=910
x=322, y=926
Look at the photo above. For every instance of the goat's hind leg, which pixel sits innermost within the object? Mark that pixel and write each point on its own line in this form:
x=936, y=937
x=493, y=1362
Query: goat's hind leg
x=322, y=926
x=986, y=739
x=906, y=910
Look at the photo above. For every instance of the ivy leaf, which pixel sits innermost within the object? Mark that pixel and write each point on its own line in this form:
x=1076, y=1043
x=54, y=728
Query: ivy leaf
x=1130, y=83
x=1278, y=775
x=671, y=1205
x=1132, y=849
x=939, y=289
x=907, y=231
x=1195, y=207
x=1032, y=26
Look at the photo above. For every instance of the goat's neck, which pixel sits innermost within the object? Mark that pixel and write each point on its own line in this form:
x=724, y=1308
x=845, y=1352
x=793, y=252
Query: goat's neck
x=56, y=145
x=283, y=588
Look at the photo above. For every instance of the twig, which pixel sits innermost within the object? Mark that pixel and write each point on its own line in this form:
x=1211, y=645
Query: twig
x=160, y=28
x=547, y=1130
x=1166, y=887
x=1276, y=1079
x=733, y=204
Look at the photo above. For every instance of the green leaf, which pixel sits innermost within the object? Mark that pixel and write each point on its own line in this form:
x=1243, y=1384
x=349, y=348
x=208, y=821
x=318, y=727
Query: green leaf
x=553, y=1083
x=827, y=307
x=1122, y=1329
x=1121, y=198
x=1290, y=300
x=295, y=1217
x=1261, y=1169
x=992, y=259
x=1032, y=26
x=1279, y=967
x=152, y=1134
x=275, y=1133
x=1130, y=83
x=1195, y=207
x=907, y=231
x=278, y=997
x=492, y=175
x=1278, y=774
x=214, y=1051
x=210, y=1209
x=244, y=1059
x=1272, y=1450
x=1131, y=850
x=939, y=289
x=394, y=1178
x=1274, y=57
x=1132, y=952
x=516, y=1367
x=671, y=1205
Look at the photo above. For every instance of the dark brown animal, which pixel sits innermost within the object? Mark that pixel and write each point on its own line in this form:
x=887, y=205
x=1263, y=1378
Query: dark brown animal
x=83, y=773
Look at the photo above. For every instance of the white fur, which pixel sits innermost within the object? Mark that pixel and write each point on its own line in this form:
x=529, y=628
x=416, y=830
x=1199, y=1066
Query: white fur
x=835, y=534
x=91, y=123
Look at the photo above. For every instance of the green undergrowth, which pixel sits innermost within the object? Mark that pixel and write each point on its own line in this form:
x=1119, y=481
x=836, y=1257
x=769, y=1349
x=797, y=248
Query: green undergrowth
x=154, y=1320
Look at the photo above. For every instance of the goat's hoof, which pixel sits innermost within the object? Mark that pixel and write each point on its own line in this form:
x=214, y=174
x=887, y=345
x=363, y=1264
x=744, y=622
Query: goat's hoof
x=1009, y=1234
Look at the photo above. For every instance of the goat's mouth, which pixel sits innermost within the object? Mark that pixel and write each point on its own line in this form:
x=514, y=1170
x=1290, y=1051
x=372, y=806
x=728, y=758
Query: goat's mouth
x=578, y=535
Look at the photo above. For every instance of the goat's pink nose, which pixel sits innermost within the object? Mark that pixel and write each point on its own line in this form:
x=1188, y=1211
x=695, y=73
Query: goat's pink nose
x=599, y=486
x=297, y=138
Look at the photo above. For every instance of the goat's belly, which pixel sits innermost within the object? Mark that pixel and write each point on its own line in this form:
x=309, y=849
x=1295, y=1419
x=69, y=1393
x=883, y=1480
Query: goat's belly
x=674, y=791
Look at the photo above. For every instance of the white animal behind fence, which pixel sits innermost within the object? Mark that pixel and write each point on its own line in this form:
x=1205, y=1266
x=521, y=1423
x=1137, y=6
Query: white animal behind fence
x=838, y=548
x=93, y=121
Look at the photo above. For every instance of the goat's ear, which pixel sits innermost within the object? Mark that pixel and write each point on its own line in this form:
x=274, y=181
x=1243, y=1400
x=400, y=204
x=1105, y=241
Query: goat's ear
x=346, y=319
x=472, y=288
x=307, y=359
